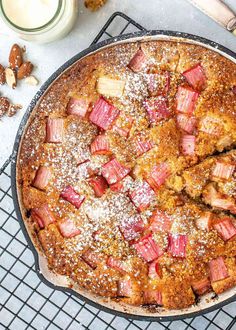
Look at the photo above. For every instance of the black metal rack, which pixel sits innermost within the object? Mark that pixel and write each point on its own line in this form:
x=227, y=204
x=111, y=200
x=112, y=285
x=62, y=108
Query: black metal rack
x=27, y=303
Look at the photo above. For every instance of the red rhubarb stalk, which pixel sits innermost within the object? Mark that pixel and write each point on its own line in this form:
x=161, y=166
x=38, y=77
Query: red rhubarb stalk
x=42, y=177
x=103, y=114
x=99, y=185
x=158, y=175
x=195, y=77
x=77, y=107
x=223, y=170
x=138, y=61
x=218, y=269
x=188, y=143
x=54, y=130
x=114, y=171
x=142, y=196
x=148, y=248
x=68, y=228
x=225, y=229
x=156, y=108
x=42, y=215
x=177, y=245
x=100, y=145
x=71, y=196
x=186, y=100
x=131, y=227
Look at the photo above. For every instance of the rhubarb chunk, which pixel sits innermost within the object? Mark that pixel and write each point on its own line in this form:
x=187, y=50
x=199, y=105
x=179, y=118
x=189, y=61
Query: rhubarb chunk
x=152, y=297
x=223, y=170
x=110, y=87
x=225, y=229
x=113, y=171
x=97, y=235
x=211, y=125
x=177, y=245
x=123, y=185
x=125, y=288
x=156, y=108
x=160, y=221
x=68, y=228
x=77, y=107
x=122, y=131
x=131, y=227
x=103, y=114
x=159, y=83
x=201, y=286
x=54, y=130
x=204, y=222
x=91, y=258
x=218, y=270
x=125, y=127
x=42, y=215
x=216, y=199
x=186, y=100
x=142, y=145
x=138, y=61
x=224, y=203
x=195, y=77
x=142, y=196
x=71, y=196
x=188, y=144
x=154, y=270
x=117, y=264
x=148, y=248
x=42, y=177
x=158, y=175
x=229, y=281
x=186, y=123
x=100, y=146
x=99, y=185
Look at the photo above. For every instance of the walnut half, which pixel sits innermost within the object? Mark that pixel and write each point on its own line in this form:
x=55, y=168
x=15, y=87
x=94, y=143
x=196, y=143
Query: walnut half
x=94, y=4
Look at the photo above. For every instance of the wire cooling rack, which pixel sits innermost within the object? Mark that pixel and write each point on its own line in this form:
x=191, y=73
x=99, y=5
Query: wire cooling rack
x=27, y=303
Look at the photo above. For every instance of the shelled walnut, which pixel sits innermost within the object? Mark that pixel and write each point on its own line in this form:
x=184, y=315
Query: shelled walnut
x=4, y=105
x=94, y=4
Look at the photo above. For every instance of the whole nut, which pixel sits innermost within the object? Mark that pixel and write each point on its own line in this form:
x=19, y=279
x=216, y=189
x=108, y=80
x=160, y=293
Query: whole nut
x=15, y=57
x=10, y=77
x=2, y=75
x=25, y=70
x=4, y=105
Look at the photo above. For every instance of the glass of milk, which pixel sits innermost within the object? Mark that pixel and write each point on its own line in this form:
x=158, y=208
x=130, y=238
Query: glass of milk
x=39, y=20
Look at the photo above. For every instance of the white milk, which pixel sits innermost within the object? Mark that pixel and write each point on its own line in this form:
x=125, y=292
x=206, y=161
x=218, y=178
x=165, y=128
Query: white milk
x=30, y=14
x=40, y=20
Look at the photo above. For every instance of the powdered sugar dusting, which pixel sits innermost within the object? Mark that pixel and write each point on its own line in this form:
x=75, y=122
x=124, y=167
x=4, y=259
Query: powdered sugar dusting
x=109, y=225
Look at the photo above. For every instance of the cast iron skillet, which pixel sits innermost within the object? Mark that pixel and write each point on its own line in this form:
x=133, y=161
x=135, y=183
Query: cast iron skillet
x=142, y=35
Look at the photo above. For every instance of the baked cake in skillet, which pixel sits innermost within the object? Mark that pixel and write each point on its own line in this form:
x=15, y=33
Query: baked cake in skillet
x=122, y=169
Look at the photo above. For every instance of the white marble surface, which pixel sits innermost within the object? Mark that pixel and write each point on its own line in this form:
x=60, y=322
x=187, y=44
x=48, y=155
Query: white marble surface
x=177, y=15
